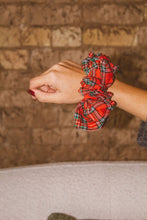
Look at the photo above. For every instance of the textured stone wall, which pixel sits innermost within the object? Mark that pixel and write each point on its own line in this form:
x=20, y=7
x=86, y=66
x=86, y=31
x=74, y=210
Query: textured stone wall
x=34, y=35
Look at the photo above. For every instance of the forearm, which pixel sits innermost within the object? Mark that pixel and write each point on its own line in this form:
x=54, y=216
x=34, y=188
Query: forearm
x=130, y=99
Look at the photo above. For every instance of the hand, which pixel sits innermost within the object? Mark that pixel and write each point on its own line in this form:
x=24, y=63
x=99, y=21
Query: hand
x=59, y=84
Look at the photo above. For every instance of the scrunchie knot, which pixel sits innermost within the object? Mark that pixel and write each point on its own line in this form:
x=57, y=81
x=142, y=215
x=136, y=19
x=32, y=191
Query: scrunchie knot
x=92, y=112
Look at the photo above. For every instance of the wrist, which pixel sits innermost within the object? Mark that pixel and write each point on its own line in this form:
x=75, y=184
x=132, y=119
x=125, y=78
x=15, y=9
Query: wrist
x=114, y=86
x=114, y=89
x=79, y=97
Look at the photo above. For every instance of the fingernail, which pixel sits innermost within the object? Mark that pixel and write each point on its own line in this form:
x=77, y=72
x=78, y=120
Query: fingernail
x=31, y=92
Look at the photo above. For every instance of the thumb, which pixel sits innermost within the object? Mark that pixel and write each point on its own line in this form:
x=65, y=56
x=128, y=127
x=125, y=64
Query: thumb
x=49, y=97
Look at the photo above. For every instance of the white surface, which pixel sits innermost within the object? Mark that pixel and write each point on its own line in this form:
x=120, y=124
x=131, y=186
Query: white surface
x=85, y=190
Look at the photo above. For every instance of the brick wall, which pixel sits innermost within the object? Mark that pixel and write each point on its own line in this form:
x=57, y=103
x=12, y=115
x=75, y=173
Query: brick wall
x=36, y=34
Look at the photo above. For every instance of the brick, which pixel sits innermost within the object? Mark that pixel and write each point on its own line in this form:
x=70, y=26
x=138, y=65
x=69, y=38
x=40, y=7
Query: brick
x=14, y=79
x=133, y=72
x=134, y=123
x=12, y=155
x=43, y=59
x=124, y=152
x=17, y=59
x=125, y=136
x=51, y=14
x=108, y=1
x=46, y=136
x=66, y=115
x=113, y=14
x=13, y=98
x=73, y=55
x=119, y=118
x=66, y=14
x=124, y=145
x=123, y=56
x=145, y=12
x=18, y=137
x=64, y=1
x=109, y=51
x=10, y=15
x=10, y=37
x=22, y=99
x=17, y=117
x=3, y=130
x=34, y=14
x=18, y=1
x=143, y=153
x=79, y=152
x=35, y=37
x=141, y=35
x=67, y=153
x=66, y=37
x=73, y=136
x=40, y=154
x=131, y=69
x=98, y=137
x=143, y=78
x=96, y=152
x=46, y=117
x=114, y=36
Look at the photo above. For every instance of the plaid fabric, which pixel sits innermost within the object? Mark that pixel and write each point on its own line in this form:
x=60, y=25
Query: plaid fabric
x=92, y=112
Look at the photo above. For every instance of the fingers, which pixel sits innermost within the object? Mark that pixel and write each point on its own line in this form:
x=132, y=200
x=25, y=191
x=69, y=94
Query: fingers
x=47, y=88
x=37, y=82
x=46, y=78
x=31, y=92
x=47, y=97
x=44, y=88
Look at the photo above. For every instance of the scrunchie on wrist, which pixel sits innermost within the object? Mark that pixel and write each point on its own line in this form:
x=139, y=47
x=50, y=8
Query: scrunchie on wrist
x=93, y=110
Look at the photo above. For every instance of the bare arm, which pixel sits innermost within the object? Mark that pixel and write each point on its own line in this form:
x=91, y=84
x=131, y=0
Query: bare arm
x=60, y=84
x=130, y=99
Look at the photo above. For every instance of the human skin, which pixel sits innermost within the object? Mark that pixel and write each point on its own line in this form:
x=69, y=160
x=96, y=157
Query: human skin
x=61, y=82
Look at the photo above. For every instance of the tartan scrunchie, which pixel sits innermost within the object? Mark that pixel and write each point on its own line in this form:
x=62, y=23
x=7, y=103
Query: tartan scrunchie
x=92, y=112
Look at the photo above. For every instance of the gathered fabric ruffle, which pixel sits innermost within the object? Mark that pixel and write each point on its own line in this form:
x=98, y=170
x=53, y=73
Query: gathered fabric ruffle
x=93, y=110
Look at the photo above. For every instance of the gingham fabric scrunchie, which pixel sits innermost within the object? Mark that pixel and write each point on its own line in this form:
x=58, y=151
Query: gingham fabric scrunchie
x=92, y=112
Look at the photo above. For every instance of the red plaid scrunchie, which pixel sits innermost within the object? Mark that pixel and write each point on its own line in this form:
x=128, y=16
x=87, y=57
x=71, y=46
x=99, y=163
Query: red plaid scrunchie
x=92, y=112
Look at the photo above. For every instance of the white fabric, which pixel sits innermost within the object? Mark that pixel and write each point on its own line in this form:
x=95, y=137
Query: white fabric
x=85, y=190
